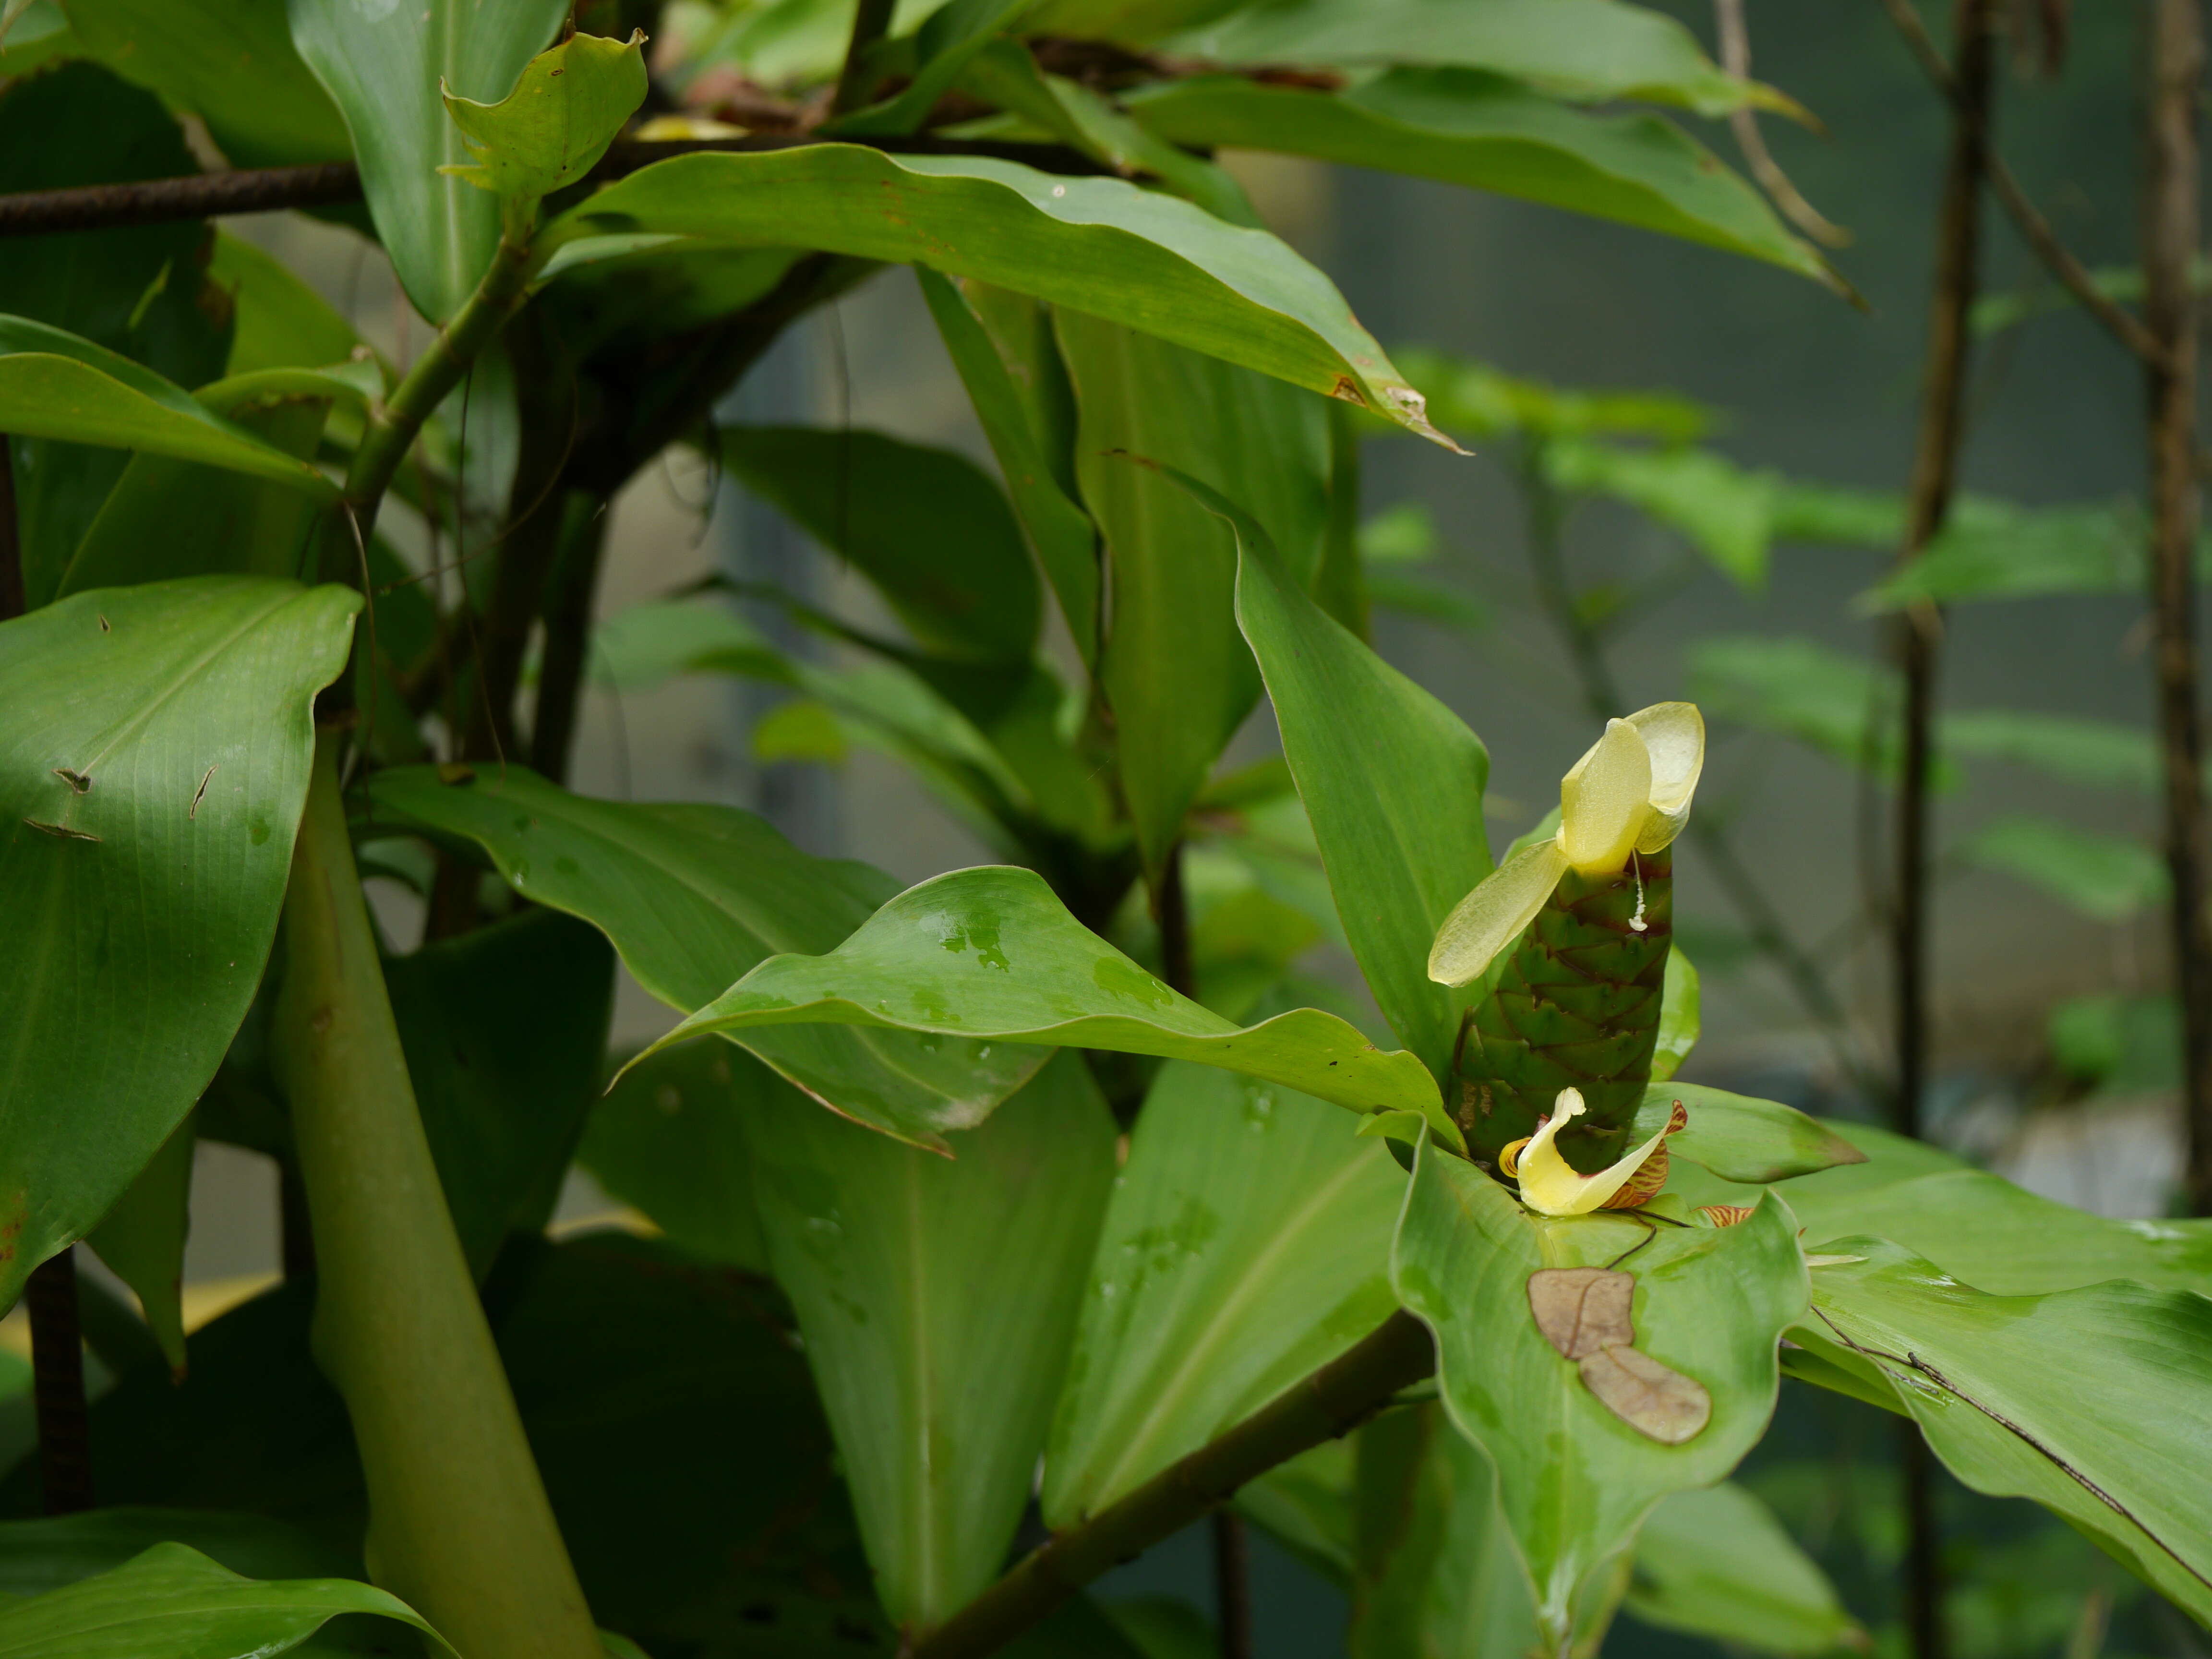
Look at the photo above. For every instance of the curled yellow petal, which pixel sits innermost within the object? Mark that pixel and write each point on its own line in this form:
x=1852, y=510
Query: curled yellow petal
x=1605, y=800
x=1552, y=1186
x=1491, y=917
x=1674, y=734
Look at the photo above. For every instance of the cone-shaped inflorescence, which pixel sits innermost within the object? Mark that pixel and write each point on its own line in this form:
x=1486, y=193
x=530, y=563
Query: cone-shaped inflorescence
x=1575, y=1005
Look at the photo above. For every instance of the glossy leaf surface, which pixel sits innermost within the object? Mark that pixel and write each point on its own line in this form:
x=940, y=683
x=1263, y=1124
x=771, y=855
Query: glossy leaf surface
x=670, y=1139
x=1098, y=246
x=37, y=1556
x=572, y=100
x=145, y=884
x=693, y=896
x=1483, y=131
x=1247, y=1244
x=172, y=1602
x=1574, y=1476
x=384, y=72
x=938, y=1298
x=1391, y=779
x=2084, y=1399
x=990, y=955
x=1741, y=1137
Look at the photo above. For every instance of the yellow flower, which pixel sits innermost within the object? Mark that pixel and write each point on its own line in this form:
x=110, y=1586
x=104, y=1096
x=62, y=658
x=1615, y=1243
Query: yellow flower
x=1552, y=1186
x=1630, y=795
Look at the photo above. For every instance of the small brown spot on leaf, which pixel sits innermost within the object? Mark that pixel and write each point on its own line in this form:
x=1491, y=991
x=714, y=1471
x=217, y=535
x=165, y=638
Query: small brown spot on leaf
x=77, y=781
x=1657, y=1401
x=193, y=810
x=1581, y=1311
x=60, y=831
x=1348, y=389
x=104, y=627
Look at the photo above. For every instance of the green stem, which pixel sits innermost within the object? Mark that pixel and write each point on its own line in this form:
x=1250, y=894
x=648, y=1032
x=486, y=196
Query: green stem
x=872, y=21
x=393, y=428
x=460, y=1526
x=1328, y=1405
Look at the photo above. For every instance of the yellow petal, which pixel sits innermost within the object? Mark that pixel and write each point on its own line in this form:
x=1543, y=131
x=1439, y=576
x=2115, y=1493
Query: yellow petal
x=1605, y=799
x=1491, y=917
x=1675, y=735
x=1552, y=1186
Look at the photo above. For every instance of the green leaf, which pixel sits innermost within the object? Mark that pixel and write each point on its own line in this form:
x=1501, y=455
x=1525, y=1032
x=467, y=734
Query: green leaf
x=1596, y=51
x=1797, y=687
x=504, y=1028
x=2105, y=877
x=1474, y=398
x=551, y=130
x=1716, y=1563
x=1019, y=389
x=1484, y=131
x=141, y=906
x=1179, y=680
x=1391, y=779
x=280, y=322
x=1728, y=512
x=1098, y=246
x=33, y=32
x=1739, y=1138
x=1678, y=1021
x=229, y=62
x=1247, y=1245
x=2115, y=1043
x=2085, y=1400
x=990, y=955
x=386, y=80
x=1575, y=1478
x=1306, y=1506
x=669, y=1139
x=56, y=385
x=142, y=1239
x=1995, y=551
x=38, y=1556
x=947, y=41
x=173, y=1601
x=2096, y=754
x=693, y=896
x=938, y=1298
x=926, y=526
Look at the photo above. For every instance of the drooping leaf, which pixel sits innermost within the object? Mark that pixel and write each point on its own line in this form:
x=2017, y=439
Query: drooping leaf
x=2095, y=754
x=1472, y=397
x=669, y=1138
x=229, y=62
x=1678, y=1015
x=279, y=321
x=1099, y=246
x=44, y=1554
x=1798, y=689
x=991, y=955
x=173, y=1600
x=1996, y=551
x=504, y=1030
x=1179, y=680
x=386, y=78
x=2081, y=1399
x=153, y=750
x=1592, y=50
x=56, y=385
x=571, y=102
x=1026, y=408
x=924, y=525
x=1580, y=1463
x=1247, y=1245
x=1486, y=132
x=938, y=1298
x=1740, y=1138
x=1306, y=1506
x=693, y=896
x=1390, y=778
x=142, y=1239
x=2105, y=877
x=1716, y=1563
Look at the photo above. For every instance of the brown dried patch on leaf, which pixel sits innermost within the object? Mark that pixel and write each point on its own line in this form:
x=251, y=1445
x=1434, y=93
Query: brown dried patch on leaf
x=1658, y=1402
x=1583, y=1310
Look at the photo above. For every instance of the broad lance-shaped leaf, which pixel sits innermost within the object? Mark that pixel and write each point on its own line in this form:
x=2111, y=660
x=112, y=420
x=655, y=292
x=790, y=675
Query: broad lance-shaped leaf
x=552, y=129
x=1248, y=1245
x=990, y=955
x=2090, y=1401
x=1097, y=245
x=938, y=1298
x=385, y=72
x=1391, y=779
x=154, y=752
x=1586, y=1430
x=1465, y=127
x=173, y=1600
x=1715, y=1561
x=56, y=385
x=1740, y=1138
x=142, y=1239
x=693, y=896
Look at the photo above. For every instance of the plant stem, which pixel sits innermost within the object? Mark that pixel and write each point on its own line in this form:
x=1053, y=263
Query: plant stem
x=567, y=635
x=872, y=21
x=1171, y=909
x=1327, y=1406
x=1232, y=1583
x=11, y=538
x=460, y=1526
x=2172, y=182
x=57, y=1385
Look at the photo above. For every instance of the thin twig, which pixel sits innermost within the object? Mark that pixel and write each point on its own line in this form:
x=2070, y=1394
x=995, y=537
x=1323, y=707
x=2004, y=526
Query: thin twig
x=11, y=537
x=1735, y=58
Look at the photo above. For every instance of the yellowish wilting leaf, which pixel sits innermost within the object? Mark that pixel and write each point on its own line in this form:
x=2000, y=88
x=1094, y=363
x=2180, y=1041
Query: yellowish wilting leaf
x=1583, y=1310
x=1653, y=1400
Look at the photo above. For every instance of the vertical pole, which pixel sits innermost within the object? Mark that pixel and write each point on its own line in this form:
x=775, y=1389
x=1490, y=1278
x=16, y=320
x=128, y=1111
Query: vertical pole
x=57, y=1385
